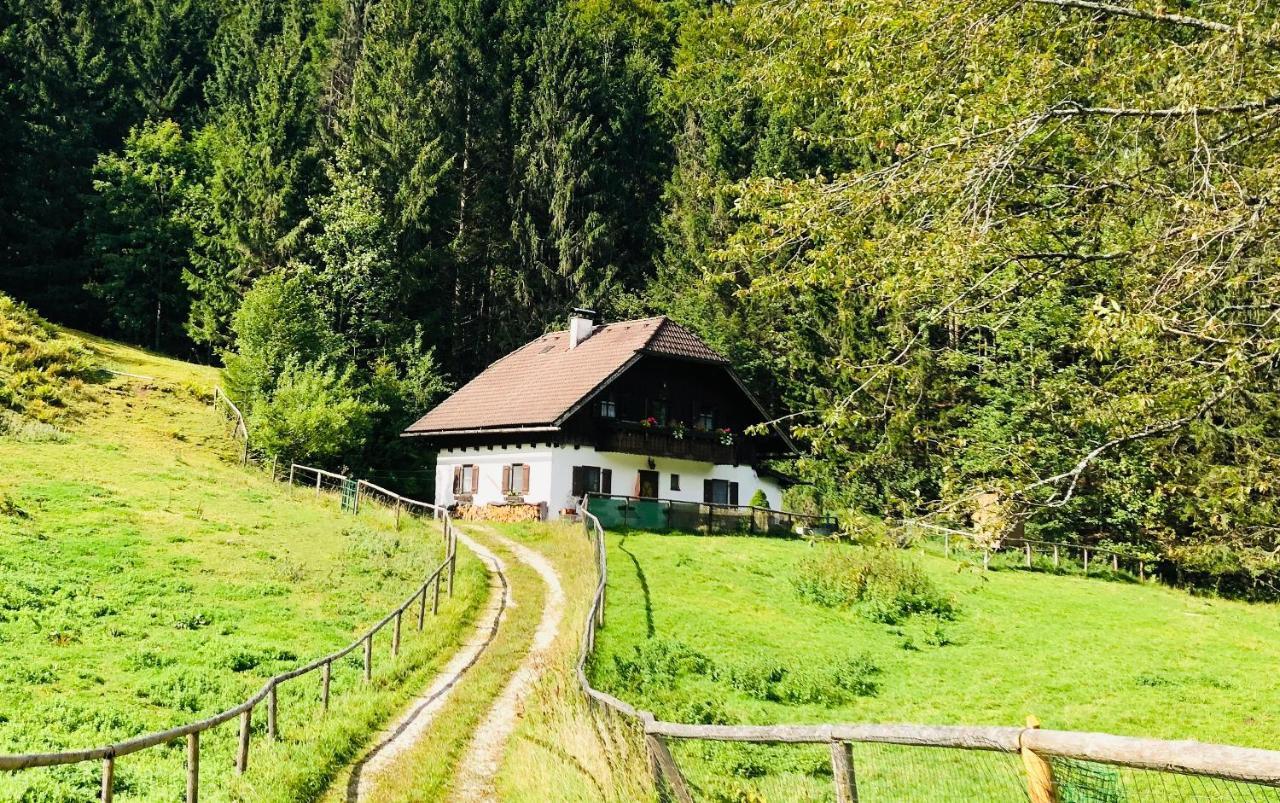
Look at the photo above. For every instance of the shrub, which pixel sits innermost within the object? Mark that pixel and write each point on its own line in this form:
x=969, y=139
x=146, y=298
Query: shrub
x=756, y=678
x=758, y=499
x=881, y=583
x=658, y=663
x=315, y=414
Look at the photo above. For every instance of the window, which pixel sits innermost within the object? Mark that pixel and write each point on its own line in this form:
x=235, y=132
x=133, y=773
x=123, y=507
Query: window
x=608, y=408
x=706, y=419
x=675, y=482
x=515, y=478
x=591, y=479
x=657, y=409
x=719, y=492
x=466, y=479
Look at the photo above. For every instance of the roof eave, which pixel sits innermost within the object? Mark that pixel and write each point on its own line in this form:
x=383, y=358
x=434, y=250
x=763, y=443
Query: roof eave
x=497, y=430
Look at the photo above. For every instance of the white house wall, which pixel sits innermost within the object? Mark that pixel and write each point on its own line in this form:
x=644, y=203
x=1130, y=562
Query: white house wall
x=551, y=474
x=537, y=457
x=626, y=468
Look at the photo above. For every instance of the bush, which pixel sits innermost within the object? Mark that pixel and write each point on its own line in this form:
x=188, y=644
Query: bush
x=658, y=663
x=315, y=414
x=42, y=372
x=880, y=582
x=758, y=499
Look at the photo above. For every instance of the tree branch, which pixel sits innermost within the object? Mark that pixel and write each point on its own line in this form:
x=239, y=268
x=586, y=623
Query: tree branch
x=1152, y=16
x=1072, y=109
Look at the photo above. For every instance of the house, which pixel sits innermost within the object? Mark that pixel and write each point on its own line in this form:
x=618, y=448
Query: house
x=638, y=408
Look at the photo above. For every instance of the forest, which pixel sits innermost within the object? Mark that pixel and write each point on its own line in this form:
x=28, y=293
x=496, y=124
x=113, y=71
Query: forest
x=1016, y=246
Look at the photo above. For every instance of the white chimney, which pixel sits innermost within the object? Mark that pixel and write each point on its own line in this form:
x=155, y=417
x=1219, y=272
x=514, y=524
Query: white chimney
x=581, y=324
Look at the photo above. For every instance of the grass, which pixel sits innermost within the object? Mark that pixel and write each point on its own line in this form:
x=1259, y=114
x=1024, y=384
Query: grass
x=147, y=580
x=561, y=750
x=1078, y=653
x=425, y=772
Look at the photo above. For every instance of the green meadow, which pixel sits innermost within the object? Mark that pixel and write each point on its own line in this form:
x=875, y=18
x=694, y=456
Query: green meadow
x=716, y=630
x=147, y=580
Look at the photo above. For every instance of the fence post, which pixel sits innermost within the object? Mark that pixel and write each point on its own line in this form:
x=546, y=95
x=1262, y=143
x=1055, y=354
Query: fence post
x=292, y=466
x=435, y=598
x=317, y=483
x=397, y=513
x=193, y=767
x=395, y=636
x=1086, y=562
x=1039, y=773
x=1142, y=572
x=453, y=563
x=946, y=545
x=273, y=729
x=1115, y=562
x=986, y=558
x=422, y=608
x=842, y=772
x=1028, y=546
x=242, y=754
x=324, y=684
x=1055, y=556
x=368, y=658
x=108, y=778
x=664, y=767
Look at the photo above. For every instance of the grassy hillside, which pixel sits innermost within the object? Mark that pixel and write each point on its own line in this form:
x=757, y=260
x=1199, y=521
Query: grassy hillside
x=715, y=630
x=146, y=580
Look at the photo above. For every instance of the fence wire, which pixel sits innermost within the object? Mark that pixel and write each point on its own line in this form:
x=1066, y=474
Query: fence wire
x=1089, y=782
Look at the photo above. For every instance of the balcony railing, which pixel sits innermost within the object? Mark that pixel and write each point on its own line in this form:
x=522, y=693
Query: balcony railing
x=633, y=438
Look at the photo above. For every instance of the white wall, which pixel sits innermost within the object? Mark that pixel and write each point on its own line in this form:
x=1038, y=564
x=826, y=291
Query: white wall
x=551, y=475
x=491, y=463
x=625, y=468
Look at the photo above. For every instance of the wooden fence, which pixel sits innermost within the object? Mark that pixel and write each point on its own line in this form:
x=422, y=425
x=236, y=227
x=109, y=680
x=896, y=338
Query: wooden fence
x=1028, y=549
x=108, y=754
x=1034, y=746
x=239, y=430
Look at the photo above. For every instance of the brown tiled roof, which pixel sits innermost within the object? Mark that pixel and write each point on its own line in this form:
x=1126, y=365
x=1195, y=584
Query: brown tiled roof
x=536, y=385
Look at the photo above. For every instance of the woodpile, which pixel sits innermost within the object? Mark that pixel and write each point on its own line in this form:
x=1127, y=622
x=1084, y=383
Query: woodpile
x=509, y=512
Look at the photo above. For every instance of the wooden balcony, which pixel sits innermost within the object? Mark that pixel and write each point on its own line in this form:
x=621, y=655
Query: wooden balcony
x=659, y=442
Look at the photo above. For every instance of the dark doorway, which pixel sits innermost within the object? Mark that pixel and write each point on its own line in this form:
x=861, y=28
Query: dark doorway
x=647, y=486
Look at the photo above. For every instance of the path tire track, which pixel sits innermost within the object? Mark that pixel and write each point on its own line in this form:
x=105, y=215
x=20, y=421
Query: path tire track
x=410, y=726
x=478, y=770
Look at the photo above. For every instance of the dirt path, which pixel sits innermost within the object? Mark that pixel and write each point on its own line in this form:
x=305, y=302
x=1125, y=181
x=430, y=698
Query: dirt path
x=409, y=727
x=479, y=767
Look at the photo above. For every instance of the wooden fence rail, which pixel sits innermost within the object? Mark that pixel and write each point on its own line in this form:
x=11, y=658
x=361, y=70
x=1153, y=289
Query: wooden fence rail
x=1240, y=764
x=240, y=430
x=1028, y=546
x=108, y=754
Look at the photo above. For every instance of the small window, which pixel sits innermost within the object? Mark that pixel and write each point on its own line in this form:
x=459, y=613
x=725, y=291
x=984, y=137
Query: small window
x=515, y=478
x=720, y=492
x=657, y=409
x=675, y=482
x=608, y=408
x=591, y=479
x=466, y=479
x=706, y=420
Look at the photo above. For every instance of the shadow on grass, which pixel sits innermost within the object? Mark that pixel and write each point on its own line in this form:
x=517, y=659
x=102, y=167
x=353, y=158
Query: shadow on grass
x=644, y=589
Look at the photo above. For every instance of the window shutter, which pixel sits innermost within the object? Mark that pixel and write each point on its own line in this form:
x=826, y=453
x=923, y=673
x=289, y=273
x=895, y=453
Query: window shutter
x=475, y=479
x=706, y=491
x=524, y=479
x=733, y=493
x=457, y=479
x=635, y=488
x=506, y=479
x=606, y=480
x=578, y=490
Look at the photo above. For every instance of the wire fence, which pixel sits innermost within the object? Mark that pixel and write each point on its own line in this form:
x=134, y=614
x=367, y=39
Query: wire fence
x=672, y=515
x=1029, y=554
x=868, y=763
x=268, y=695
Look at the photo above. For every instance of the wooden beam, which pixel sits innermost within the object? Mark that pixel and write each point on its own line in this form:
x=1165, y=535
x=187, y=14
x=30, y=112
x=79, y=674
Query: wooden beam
x=842, y=772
